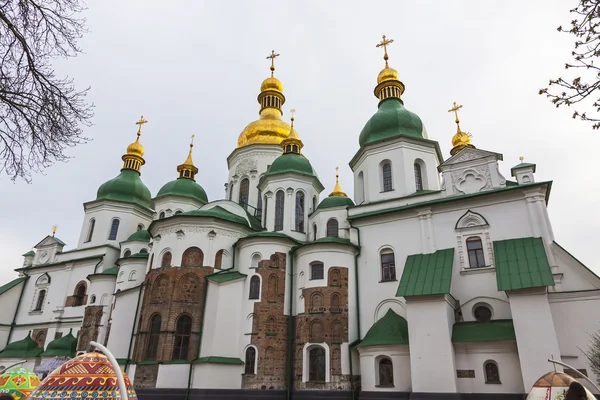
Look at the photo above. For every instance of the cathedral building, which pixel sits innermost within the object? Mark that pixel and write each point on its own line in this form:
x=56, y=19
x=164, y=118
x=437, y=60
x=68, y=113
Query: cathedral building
x=438, y=278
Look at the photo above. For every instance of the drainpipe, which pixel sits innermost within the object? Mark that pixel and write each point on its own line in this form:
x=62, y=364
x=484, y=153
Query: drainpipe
x=137, y=308
x=290, y=358
x=12, y=326
x=357, y=312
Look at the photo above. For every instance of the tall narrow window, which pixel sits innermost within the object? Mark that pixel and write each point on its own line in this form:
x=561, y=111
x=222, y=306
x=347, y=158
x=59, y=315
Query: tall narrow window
x=332, y=228
x=300, y=212
x=475, y=250
x=166, y=259
x=152, y=346
x=360, y=188
x=244, y=190
x=183, y=332
x=316, y=364
x=91, y=230
x=231, y=190
x=279, y=204
x=161, y=215
x=79, y=296
x=40, y=300
x=265, y=215
x=491, y=372
x=259, y=205
x=219, y=259
x=254, y=288
x=314, y=231
x=386, y=372
x=418, y=177
x=388, y=266
x=386, y=172
x=249, y=365
x=314, y=201
x=114, y=229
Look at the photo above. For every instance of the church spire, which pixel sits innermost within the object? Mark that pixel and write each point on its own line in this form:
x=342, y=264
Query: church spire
x=271, y=91
x=388, y=81
x=133, y=158
x=337, y=190
x=460, y=140
x=292, y=144
x=188, y=170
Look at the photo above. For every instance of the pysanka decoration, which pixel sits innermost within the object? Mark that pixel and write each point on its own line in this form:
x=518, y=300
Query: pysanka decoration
x=88, y=376
x=18, y=382
x=553, y=386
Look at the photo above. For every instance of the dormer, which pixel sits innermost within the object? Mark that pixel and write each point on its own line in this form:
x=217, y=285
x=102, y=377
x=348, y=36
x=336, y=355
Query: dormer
x=523, y=172
x=47, y=249
x=28, y=258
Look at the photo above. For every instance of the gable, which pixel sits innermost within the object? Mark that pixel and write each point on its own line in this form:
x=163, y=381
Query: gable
x=470, y=154
x=49, y=241
x=575, y=275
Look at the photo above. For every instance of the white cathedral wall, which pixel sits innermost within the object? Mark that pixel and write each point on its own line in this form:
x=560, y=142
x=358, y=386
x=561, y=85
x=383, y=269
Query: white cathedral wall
x=172, y=204
x=369, y=368
x=9, y=301
x=132, y=273
x=172, y=376
x=123, y=320
x=320, y=218
x=217, y=376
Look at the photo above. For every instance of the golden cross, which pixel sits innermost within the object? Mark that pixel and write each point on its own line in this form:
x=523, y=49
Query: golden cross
x=54, y=229
x=384, y=43
x=272, y=58
x=455, y=110
x=292, y=111
x=192, y=143
x=141, y=122
x=337, y=174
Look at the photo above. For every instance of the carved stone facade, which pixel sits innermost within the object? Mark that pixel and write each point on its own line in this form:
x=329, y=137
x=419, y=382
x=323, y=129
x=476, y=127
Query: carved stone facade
x=92, y=320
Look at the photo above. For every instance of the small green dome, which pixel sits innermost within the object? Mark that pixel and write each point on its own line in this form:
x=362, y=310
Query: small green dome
x=390, y=121
x=65, y=346
x=140, y=236
x=183, y=187
x=127, y=187
x=335, y=201
x=24, y=348
x=291, y=162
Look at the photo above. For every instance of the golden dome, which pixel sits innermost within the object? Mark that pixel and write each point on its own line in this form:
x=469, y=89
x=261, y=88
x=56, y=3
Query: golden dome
x=271, y=83
x=269, y=129
x=460, y=140
x=388, y=74
x=135, y=148
x=133, y=158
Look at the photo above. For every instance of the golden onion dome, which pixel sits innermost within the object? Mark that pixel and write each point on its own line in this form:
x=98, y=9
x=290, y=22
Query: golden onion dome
x=271, y=83
x=388, y=74
x=461, y=139
x=268, y=129
x=136, y=148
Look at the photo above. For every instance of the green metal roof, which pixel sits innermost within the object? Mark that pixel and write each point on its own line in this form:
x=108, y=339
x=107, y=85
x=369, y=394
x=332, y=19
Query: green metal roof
x=221, y=213
x=218, y=360
x=522, y=165
x=139, y=255
x=227, y=276
x=24, y=348
x=293, y=163
x=391, y=120
x=183, y=187
x=521, y=264
x=126, y=187
x=140, y=236
x=10, y=285
x=335, y=201
x=426, y=274
x=495, y=330
x=65, y=346
x=327, y=239
x=109, y=271
x=30, y=253
x=390, y=330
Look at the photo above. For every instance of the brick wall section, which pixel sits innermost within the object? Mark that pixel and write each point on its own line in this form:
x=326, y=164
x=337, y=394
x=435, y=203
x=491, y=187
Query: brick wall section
x=39, y=336
x=325, y=319
x=270, y=327
x=92, y=318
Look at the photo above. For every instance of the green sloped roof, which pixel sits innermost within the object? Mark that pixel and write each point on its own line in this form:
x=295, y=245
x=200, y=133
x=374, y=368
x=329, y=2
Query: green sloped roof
x=183, y=187
x=521, y=264
x=218, y=360
x=522, y=165
x=327, y=239
x=65, y=346
x=335, y=201
x=390, y=330
x=500, y=329
x=270, y=235
x=139, y=255
x=140, y=236
x=225, y=276
x=24, y=348
x=220, y=213
x=10, y=285
x=109, y=271
x=126, y=187
x=30, y=253
x=391, y=120
x=426, y=274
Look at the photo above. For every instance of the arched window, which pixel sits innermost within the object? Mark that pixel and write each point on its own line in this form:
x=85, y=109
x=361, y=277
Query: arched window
x=316, y=364
x=271, y=325
x=132, y=275
x=219, y=259
x=314, y=204
x=166, y=259
x=386, y=372
x=314, y=231
x=360, y=188
x=334, y=305
x=161, y=215
x=279, y=208
x=183, y=332
x=140, y=227
x=250, y=364
x=79, y=297
x=491, y=372
x=231, y=190
x=254, y=288
x=334, y=277
x=192, y=257
x=143, y=251
x=152, y=345
x=259, y=204
x=127, y=253
x=265, y=212
x=418, y=177
x=316, y=332
x=299, y=212
x=316, y=302
x=93, y=299
x=244, y=191
x=388, y=266
x=178, y=212
x=91, y=230
x=332, y=228
x=114, y=229
x=386, y=175
x=475, y=250
x=40, y=300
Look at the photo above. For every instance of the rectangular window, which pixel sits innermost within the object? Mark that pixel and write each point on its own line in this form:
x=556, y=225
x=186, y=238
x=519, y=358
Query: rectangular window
x=388, y=267
x=316, y=271
x=475, y=250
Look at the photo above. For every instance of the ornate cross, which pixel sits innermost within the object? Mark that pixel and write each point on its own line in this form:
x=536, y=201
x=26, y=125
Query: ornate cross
x=54, y=229
x=455, y=109
x=192, y=144
x=141, y=122
x=272, y=57
x=384, y=43
x=292, y=111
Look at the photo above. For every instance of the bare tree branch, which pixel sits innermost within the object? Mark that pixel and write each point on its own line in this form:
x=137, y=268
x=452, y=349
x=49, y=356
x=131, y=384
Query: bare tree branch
x=40, y=114
x=593, y=354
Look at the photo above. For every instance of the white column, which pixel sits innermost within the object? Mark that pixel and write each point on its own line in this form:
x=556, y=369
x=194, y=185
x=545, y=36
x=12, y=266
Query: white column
x=289, y=211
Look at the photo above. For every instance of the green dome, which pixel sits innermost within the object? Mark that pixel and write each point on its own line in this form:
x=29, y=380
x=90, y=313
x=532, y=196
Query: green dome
x=183, y=187
x=335, y=201
x=390, y=121
x=291, y=162
x=140, y=236
x=24, y=348
x=65, y=346
x=127, y=187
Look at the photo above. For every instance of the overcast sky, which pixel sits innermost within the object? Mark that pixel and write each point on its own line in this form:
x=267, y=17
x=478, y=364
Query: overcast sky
x=195, y=67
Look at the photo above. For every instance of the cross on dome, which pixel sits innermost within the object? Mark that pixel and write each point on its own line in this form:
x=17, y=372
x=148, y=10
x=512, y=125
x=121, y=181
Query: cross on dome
x=141, y=122
x=272, y=57
x=384, y=43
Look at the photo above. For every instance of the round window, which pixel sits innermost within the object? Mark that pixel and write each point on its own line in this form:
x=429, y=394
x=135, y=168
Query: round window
x=482, y=313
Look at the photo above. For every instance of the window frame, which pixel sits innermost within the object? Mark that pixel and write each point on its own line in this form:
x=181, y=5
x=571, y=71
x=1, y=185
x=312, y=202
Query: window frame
x=317, y=371
x=389, y=366
x=151, y=350
x=418, y=171
x=254, y=289
x=387, y=269
x=244, y=194
x=250, y=362
x=279, y=210
x=387, y=182
x=330, y=228
x=181, y=350
x=114, y=229
x=474, y=252
x=489, y=381
x=321, y=274
x=39, y=304
x=90, y=234
x=299, y=212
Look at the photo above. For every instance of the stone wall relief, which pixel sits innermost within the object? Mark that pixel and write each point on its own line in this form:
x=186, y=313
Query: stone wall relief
x=472, y=180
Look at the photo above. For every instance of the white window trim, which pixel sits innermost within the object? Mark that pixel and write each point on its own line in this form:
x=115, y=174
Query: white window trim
x=488, y=246
x=305, y=361
x=255, y=357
